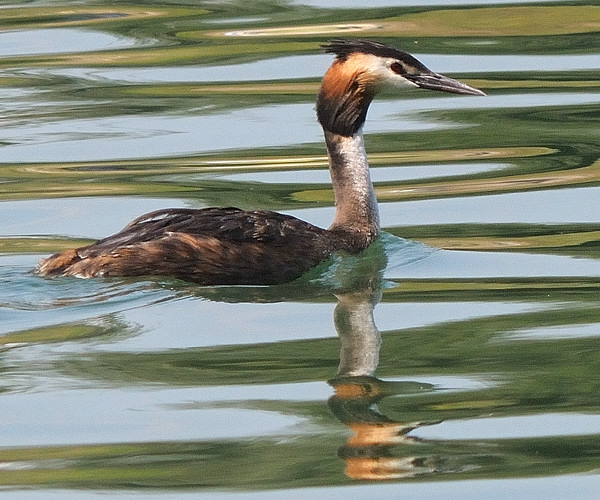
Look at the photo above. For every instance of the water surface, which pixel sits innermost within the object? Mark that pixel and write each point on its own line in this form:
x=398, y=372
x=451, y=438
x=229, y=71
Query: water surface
x=457, y=355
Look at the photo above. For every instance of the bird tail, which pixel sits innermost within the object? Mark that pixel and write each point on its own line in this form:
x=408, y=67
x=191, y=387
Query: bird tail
x=57, y=264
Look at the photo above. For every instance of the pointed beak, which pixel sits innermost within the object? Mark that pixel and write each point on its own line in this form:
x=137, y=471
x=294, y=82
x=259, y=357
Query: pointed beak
x=435, y=81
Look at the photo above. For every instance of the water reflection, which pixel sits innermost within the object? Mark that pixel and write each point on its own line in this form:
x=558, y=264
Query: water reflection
x=384, y=447
x=222, y=406
x=369, y=453
x=488, y=370
x=59, y=40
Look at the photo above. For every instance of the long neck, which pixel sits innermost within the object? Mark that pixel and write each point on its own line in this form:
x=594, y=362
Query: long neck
x=359, y=336
x=355, y=202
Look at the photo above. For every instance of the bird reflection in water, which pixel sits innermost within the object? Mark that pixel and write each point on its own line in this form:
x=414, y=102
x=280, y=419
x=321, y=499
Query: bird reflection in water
x=372, y=452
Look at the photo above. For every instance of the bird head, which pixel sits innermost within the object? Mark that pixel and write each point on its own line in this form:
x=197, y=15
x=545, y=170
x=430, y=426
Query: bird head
x=360, y=70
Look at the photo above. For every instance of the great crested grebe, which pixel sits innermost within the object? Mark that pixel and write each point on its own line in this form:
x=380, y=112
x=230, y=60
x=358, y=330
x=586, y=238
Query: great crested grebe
x=220, y=246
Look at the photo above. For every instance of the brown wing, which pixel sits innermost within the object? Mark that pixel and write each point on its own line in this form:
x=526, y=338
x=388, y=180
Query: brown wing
x=230, y=224
x=209, y=246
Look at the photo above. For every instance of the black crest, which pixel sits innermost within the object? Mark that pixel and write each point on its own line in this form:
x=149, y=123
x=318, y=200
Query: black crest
x=342, y=48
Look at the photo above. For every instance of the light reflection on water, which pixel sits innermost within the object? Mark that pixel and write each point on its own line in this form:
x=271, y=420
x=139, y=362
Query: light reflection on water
x=129, y=136
x=75, y=217
x=92, y=416
x=361, y=4
x=59, y=40
x=487, y=368
x=536, y=489
x=314, y=66
x=539, y=207
x=521, y=427
x=377, y=174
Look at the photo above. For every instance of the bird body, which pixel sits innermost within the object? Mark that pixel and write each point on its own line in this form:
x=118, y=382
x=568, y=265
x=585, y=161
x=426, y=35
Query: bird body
x=218, y=246
x=208, y=246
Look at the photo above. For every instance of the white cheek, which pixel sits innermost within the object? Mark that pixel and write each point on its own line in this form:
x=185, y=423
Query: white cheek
x=400, y=81
x=389, y=78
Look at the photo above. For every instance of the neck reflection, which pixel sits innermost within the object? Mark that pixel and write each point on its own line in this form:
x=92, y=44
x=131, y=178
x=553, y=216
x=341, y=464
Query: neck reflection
x=375, y=449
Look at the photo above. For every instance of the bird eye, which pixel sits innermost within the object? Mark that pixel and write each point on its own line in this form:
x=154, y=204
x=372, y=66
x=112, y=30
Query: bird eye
x=397, y=68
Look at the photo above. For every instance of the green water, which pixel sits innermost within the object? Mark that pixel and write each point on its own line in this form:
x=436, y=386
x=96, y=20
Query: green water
x=458, y=357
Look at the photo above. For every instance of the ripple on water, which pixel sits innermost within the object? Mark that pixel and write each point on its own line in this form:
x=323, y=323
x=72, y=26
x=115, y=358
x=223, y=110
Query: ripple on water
x=528, y=426
x=60, y=41
x=171, y=384
x=28, y=302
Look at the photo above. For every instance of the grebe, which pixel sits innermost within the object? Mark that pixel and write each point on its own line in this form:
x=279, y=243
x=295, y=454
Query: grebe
x=226, y=246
